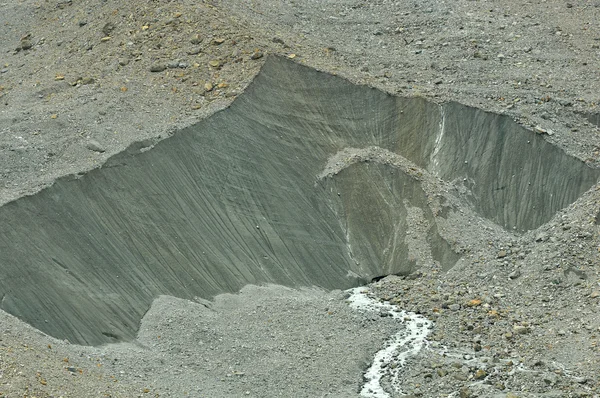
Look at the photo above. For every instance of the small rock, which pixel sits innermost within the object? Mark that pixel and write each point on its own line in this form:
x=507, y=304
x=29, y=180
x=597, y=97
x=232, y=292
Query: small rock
x=215, y=63
x=501, y=56
x=173, y=64
x=595, y=294
x=158, y=67
x=414, y=275
x=217, y=42
x=196, y=40
x=549, y=379
x=194, y=51
x=474, y=303
x=108, y=28
x=480, y=374
x=208, y=86
x=465, y=392
x=26, y=44
x=83, y=23
x=502, y=254
x=454, y=307
x=256, y=55
x=87, y=80
x=95, y=146
x=520, y=329
x=515, y=274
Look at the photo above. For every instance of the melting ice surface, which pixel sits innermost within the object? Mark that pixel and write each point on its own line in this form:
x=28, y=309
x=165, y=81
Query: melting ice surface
x=401, y=345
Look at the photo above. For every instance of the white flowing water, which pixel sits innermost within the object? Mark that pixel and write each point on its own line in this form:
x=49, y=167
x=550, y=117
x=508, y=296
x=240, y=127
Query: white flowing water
x=407, y=342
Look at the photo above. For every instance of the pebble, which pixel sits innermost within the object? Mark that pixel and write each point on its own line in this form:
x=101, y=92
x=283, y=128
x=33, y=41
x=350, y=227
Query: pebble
x=158, y=67
x=520, y=329
x=108, y=28
x=480, y=374
x=26, y=44
x=256, y=55
x=95, y=146
x=540, y=130
x=515, y=274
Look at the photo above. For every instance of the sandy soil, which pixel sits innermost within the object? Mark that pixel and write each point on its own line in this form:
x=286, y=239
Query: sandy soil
x=81, y=80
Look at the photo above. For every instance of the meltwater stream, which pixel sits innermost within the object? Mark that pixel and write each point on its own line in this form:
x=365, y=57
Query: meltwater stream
x=402, y=345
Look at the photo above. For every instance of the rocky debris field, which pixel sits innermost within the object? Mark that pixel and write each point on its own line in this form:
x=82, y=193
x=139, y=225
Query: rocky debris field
x=518, y=316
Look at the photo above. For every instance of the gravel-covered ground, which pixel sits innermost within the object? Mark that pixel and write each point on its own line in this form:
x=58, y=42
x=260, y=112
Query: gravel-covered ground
x=518, y=316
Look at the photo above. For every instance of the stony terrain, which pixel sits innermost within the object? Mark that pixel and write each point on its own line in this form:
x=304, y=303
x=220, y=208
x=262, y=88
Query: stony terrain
x=517, y=317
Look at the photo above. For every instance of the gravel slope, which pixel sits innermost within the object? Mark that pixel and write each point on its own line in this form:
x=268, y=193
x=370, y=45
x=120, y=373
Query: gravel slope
x=516, y=317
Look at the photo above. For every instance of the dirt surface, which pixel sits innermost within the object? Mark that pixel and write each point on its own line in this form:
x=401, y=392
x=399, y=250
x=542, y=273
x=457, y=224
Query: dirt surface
x=518, y=316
